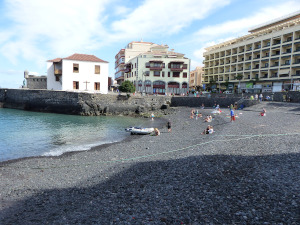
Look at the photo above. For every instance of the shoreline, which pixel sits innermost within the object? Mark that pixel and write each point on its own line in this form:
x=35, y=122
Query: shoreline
x=159, y=124
x=236, y=175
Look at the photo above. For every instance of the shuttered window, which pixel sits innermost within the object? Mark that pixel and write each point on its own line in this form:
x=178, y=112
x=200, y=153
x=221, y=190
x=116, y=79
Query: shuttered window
x=75, y=68
x=97, y=69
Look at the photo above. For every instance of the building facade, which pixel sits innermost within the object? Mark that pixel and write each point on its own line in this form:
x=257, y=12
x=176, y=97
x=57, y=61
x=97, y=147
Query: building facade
x=266, y=60
x=78, y=72
x=133, y=49
x=159, y=71
x=34, y=81
x=196, y=78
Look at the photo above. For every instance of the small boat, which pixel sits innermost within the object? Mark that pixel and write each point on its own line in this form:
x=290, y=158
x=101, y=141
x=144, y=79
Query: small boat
x=139, y=130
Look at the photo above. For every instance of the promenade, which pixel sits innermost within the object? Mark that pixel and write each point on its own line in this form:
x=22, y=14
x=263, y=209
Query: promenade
x=246, y=172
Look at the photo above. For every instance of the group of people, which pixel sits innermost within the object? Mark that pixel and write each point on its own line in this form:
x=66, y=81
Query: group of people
x=208, y=118
x=156, y=131
x=195, y=113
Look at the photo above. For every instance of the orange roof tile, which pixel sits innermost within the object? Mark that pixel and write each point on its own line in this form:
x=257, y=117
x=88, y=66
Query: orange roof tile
x=55, y=60
x=80, y=57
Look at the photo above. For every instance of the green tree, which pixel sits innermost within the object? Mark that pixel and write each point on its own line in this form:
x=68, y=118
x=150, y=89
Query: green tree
x=127, y=86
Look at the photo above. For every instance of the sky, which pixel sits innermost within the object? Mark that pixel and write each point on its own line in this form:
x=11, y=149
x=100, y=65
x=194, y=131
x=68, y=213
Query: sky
x=34, y=31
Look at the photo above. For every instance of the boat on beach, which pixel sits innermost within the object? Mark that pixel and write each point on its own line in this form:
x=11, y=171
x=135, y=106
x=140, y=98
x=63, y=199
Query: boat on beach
x=139, y=130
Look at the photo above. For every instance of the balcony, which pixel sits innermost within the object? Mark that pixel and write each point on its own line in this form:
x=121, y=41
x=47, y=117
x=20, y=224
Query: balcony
x=176, y=69
x=156, y=68
x=127, y=70
x=57, y=72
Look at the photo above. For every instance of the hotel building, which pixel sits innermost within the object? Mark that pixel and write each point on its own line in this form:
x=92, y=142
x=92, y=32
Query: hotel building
x=196, y=78
x=159, y=71
x=133, y=49
x=266, y=60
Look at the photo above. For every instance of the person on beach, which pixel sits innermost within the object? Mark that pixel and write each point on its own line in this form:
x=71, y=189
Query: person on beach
x=256, y=97
x=202, y=107
x=260, y=97
x=196, y=114
x=263, y=112
x=208, y=130
x=232, y=116
x=169, y=126
x=208, y=118
x=156, y=132
x=192, y=114
x=152, y=116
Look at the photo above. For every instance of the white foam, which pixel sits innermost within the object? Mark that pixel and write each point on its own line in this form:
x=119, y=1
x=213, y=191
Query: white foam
x=75, y=148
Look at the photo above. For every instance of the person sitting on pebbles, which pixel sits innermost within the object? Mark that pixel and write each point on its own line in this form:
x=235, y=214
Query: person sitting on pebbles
x=156, y=132
x=208, y=130
x=208, y=118
x=263, y=112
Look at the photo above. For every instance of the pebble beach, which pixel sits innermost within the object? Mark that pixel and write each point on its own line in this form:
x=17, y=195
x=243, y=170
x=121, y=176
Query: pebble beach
x=246, y=172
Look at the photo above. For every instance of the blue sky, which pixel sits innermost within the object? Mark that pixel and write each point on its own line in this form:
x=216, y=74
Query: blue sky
x=34, y=31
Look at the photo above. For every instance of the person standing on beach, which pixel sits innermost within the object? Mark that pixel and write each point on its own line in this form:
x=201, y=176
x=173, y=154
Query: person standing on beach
x=232, y=117
x=169, y=126
x=152, y=116
x=260, y=97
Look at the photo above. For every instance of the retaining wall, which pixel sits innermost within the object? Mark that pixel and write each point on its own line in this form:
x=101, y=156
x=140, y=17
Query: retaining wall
x=99, y=104
x=81, y=103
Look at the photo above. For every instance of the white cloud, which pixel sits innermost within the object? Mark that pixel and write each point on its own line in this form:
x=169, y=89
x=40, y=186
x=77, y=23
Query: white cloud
x=60, y=26
x=235, y=28
x=156, y=17
x=121, y=10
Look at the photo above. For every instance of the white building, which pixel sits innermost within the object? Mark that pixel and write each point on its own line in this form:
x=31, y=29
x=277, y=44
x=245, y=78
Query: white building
x=132, y=50
x=159, y=71
x=78, y=72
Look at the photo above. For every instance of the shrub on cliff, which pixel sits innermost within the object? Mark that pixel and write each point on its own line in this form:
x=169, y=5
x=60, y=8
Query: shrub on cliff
x=127, y=86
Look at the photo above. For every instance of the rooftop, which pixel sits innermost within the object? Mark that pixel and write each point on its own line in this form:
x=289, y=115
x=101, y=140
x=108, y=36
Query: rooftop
x=277, y=24
x=79, y=57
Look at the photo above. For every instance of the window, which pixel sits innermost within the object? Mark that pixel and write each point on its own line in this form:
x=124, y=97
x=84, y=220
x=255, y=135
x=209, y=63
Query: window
x=156, y=73
x=147, y=73
x=135, y=73
x=97, y=86
x=56, y=78
x=97, y=69
x=287, y=62
x=169, y=74
x=135, y=65
x=266, y=64
x=163, y=73
x=75, y=85
x=176, y=74
x=184, y=75
x=75, y=68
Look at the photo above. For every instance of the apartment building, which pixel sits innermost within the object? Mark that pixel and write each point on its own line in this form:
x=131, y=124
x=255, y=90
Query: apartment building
x=265, y=60
x=159, y=71
x=196, y=78
x=132, y=49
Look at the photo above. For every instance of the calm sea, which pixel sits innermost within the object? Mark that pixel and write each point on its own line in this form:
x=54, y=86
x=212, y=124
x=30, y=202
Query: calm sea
x=25, y=134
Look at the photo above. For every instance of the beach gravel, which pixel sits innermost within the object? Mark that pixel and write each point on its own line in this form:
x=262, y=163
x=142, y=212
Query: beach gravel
x=247, y=172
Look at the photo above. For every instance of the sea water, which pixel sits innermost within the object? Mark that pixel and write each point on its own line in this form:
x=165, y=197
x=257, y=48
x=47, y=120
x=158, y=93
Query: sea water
x=25, y=134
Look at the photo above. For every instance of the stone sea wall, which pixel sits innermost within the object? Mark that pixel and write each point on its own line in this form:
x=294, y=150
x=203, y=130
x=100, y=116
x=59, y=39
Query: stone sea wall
x=82, y=103
x=112, y=104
